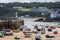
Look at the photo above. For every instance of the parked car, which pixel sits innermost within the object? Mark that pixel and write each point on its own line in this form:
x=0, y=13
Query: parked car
x=55, y=32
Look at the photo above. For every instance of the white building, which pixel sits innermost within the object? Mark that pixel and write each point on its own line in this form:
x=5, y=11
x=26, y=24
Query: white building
x=34, y=9
x=16, y=7
x=39, y=9
x=54, y=14
x=43, y=9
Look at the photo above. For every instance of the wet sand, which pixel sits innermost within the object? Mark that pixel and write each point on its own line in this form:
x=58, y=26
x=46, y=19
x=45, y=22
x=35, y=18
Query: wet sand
x=21, y=35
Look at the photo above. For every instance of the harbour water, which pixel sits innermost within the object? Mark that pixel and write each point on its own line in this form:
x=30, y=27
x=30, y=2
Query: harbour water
x=32, y=23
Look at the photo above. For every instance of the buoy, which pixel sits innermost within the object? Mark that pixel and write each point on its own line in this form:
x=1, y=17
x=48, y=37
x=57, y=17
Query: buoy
x=52, y=27
x=55, y=32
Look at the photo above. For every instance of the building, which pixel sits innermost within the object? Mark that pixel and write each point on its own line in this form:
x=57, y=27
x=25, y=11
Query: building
x=17, y=7
x=43, y=9
x=39, y=9
x=54, y=14
x=34, y=9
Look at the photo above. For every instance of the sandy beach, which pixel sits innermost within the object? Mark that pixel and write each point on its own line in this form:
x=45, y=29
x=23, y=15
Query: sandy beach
x=22, y=36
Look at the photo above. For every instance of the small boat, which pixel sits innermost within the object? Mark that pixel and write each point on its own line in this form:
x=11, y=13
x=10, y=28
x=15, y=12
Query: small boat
x=16, y=38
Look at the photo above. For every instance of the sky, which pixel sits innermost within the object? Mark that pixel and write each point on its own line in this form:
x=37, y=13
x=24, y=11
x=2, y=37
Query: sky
x=7, y=1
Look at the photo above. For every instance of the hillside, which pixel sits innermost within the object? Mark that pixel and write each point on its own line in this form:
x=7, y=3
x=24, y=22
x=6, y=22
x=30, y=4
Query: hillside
x=6, y=9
